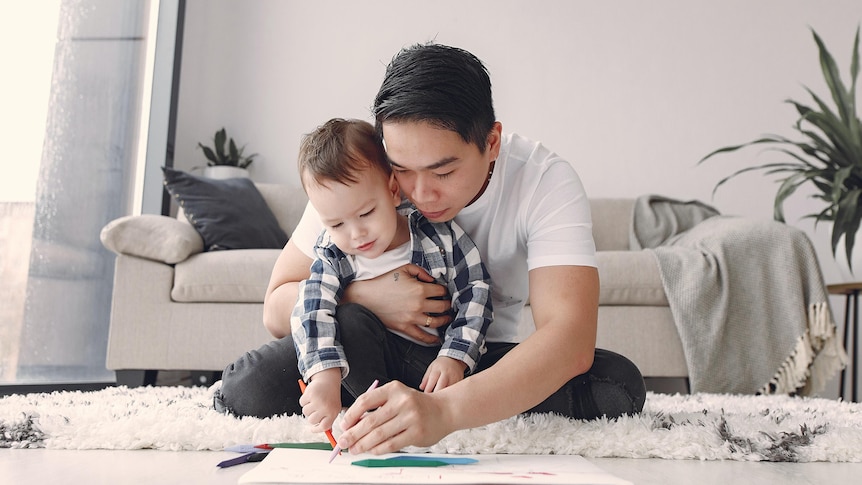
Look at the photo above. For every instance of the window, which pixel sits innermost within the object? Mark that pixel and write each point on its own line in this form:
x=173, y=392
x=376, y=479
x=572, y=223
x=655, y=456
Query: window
x=86, y=105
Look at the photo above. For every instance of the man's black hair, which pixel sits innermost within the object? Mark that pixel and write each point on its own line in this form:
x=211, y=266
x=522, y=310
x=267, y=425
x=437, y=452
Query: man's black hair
x=445, y=86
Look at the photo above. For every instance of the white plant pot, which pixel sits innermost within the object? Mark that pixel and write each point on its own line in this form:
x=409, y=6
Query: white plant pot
x=225, y=172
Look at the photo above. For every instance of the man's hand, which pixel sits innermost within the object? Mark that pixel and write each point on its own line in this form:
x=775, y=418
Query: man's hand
x=442, y=373
x=404, y=299
x=402, y=417
x=321, y=401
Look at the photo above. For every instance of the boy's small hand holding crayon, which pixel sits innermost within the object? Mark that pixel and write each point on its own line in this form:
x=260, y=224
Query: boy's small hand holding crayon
x=321, y=401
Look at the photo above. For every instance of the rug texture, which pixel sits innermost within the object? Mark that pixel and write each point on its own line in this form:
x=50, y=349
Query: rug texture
x=698, y=426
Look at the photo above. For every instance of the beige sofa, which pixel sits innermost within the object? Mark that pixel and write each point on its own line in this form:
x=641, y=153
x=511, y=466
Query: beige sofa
x=176, y=307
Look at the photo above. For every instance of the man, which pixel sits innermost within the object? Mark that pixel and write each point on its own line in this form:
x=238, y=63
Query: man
x=527, y=212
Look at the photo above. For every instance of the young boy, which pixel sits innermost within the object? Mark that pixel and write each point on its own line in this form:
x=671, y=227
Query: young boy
x=349, y=182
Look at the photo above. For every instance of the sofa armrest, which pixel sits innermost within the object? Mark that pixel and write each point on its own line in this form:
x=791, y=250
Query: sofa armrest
x=159, y=238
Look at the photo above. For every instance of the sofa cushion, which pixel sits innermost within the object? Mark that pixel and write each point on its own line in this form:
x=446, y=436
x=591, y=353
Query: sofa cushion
x=611, y=223
x=630, y=278
x=150, y=236
x=228, y=214
x=239, y=276
x=286, y=202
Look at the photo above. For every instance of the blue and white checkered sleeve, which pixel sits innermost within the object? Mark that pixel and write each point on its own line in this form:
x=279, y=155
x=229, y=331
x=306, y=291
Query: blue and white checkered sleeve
x=313, y=325
x=469, y=285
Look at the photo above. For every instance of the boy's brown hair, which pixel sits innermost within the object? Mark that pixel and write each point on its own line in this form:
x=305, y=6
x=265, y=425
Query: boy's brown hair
x=338, y=149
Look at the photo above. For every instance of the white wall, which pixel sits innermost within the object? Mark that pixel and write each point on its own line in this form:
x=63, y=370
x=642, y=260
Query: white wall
x=632, y=93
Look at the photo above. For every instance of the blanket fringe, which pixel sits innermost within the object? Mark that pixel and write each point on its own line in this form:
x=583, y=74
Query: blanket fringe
x=816, y=358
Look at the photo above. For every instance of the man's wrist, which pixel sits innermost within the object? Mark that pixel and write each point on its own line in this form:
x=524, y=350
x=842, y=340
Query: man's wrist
x=350, y=293
x=449, y=403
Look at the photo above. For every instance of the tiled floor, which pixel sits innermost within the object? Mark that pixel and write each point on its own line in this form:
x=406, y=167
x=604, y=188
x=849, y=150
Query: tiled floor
x=96, y=467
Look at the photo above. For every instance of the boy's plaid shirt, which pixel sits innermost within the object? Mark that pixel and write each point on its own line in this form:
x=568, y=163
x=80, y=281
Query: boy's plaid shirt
x=443, y=249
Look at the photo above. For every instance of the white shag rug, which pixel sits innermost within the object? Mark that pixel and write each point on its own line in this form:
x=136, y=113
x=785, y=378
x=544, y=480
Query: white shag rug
x=699, y=426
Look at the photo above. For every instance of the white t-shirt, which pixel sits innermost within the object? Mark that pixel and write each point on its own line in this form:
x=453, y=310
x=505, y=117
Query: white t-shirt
x=367, y=268
x=534, y=213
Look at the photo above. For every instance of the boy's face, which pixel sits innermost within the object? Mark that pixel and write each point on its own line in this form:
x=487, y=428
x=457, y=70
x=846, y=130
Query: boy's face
x=360, y=217
x=436, y=169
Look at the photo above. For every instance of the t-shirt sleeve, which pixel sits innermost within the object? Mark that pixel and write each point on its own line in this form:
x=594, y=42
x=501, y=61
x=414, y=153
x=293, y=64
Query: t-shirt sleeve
x=305, y=233
x=559, y=224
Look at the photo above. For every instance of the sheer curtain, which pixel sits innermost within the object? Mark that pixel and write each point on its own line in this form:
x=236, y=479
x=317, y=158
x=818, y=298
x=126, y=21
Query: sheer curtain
x=84, y=181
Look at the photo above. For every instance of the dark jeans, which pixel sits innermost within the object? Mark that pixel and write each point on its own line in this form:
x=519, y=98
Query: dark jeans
x=263, y=382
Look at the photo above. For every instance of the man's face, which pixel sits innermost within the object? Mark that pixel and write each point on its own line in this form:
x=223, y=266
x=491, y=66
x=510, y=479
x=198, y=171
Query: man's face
x=437, y=170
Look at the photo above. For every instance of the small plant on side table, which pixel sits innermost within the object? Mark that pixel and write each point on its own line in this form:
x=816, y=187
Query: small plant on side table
x=225, y=152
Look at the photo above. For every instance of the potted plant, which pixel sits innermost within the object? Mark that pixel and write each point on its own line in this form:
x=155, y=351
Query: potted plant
x=828, y=155
x=224, y=159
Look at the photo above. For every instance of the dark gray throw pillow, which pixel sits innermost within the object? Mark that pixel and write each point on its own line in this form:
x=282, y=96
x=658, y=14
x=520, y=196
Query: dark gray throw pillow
x=228, y=214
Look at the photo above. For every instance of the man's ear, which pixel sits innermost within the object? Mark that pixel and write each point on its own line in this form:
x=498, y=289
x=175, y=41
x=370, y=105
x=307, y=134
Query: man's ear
x=494, y=141
x=394, y=189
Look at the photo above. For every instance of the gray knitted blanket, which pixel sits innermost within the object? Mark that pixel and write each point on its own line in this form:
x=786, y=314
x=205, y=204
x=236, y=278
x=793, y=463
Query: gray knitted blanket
x=747, y=297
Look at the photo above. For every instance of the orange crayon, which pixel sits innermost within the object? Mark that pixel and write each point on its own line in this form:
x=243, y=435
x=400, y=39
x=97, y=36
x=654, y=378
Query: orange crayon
x=329, y=431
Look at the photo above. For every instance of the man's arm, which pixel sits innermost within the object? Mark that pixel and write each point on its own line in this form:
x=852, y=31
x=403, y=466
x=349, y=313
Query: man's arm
x=398, y=298
x=291, y=267
x=564, y=301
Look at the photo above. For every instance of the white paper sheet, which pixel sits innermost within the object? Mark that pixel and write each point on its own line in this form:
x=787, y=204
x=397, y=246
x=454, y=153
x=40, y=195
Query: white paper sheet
x=310, y=467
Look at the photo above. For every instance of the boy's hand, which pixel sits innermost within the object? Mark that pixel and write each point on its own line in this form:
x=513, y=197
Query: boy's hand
x=442, y=373
x=321, y=401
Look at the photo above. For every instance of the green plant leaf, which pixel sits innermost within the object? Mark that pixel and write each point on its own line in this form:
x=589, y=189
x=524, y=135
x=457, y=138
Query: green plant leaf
x=787, y=188
x=835, y=130
x=828, y=156
x=208, y=153
x=246, y=161
x=854, y=66
x=833, y=80
x=234, y=153
x=733, y=148
x=855, y=124
x=219, y=141
x=820, y=149
x=846, y=222
x=777, y=166
x=841, y=177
